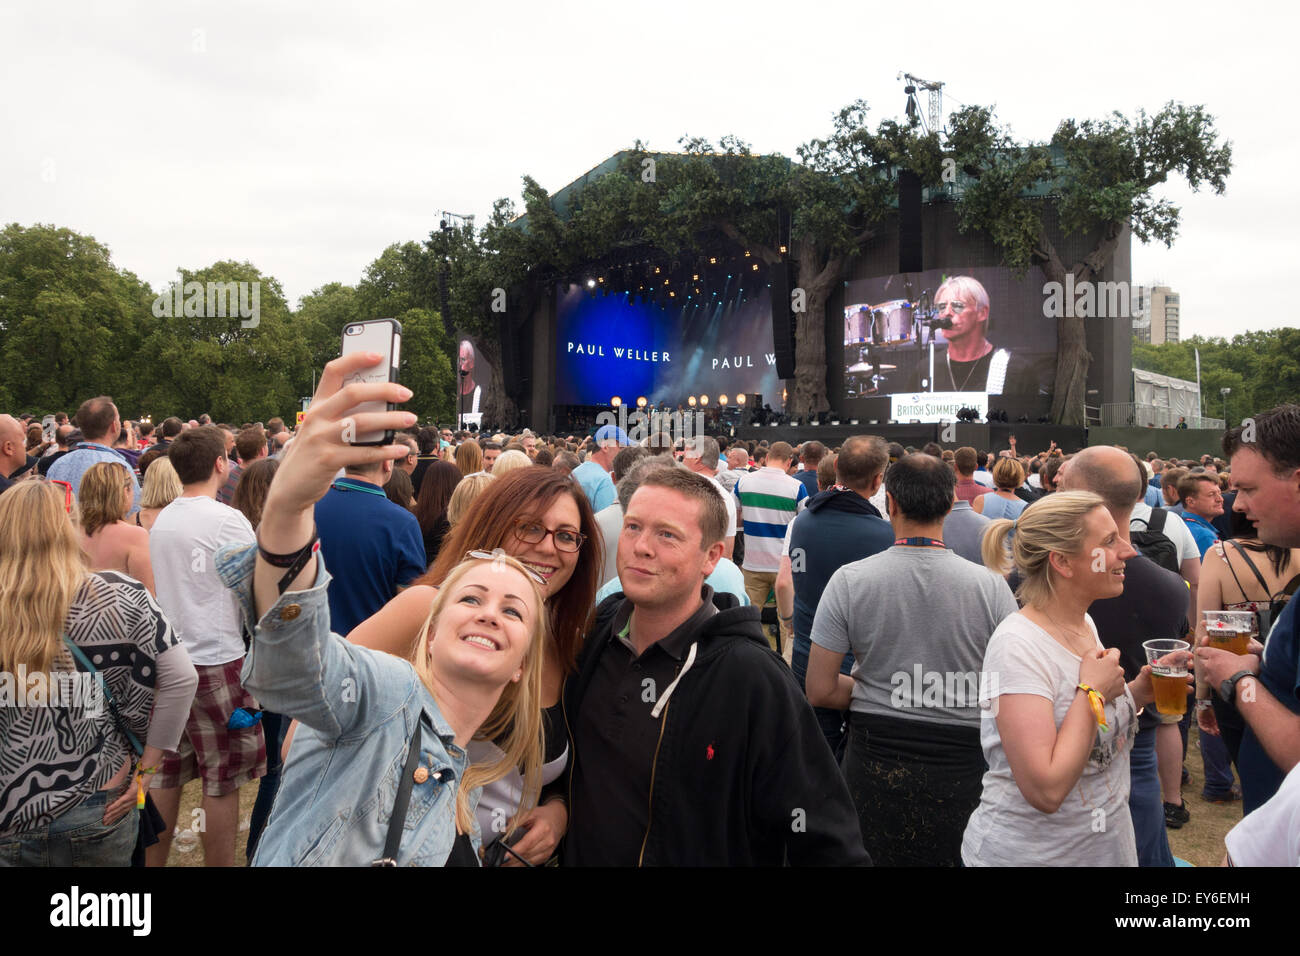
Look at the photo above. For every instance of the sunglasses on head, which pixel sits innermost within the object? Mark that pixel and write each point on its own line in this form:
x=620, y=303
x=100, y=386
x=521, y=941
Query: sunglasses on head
x=497, y=555
x=67, y=493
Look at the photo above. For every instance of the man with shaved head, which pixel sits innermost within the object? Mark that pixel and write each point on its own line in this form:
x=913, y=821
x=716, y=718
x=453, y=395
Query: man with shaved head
x=1153, y=605
x=100, y=425
x=13, y=448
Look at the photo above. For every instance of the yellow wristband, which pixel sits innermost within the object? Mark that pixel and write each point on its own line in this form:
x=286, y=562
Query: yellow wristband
x=1098, y=704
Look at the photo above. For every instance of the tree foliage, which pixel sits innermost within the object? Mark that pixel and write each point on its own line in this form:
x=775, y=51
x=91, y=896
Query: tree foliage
x=1261, y=368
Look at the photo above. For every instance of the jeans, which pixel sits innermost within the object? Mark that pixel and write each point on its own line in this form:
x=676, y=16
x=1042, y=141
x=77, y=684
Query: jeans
x=75, y=838
x=275, y=727
x=1218, y=768
x=1145, y=804
x=834, y=723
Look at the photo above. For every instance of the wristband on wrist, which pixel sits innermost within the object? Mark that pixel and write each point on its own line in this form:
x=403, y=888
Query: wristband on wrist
x=146, y=771
x=295, y=561
x=1097, y=702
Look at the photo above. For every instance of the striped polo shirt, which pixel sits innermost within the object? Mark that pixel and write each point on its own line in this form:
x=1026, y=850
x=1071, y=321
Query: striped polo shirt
x=769, y=499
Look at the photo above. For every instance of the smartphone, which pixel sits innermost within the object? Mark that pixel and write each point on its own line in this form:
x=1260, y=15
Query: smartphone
x=385, y=337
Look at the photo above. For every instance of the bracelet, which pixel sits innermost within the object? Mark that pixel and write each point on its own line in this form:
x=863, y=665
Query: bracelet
x=785, y=620
x=286, y=560
x=146, y=771
x=1204, y=703
x=1098, y=704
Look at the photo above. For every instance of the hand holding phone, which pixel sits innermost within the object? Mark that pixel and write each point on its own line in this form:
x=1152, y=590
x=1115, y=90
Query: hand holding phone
x=374, y=335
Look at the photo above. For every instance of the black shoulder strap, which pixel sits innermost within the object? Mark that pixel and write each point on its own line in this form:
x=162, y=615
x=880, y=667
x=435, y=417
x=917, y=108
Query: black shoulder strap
x=1250, y=564
x=1157, y=522
x=398, y=820
x=1291, y=587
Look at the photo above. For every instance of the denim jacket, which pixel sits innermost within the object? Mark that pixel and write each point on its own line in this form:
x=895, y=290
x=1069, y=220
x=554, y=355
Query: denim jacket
x=358, y=710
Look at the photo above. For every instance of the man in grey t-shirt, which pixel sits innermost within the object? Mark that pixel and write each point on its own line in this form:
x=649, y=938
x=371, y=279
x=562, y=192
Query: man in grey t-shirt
x=963, y=530
x=917, y=619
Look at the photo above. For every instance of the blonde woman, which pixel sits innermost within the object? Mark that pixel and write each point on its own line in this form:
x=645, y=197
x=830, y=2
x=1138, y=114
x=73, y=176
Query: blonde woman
x=368, y=717
x=1056, y=791
x=110, y=542
x=469, y=457
x=162, y=486
x=1008, y=475
x=70, y=777
x=509, y=461
x=467, y=491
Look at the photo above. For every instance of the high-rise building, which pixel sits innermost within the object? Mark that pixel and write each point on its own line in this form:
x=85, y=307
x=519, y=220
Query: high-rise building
x=1155, y=314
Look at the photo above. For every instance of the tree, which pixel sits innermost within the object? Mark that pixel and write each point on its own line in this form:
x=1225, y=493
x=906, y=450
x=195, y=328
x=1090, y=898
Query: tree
x=1102, y=176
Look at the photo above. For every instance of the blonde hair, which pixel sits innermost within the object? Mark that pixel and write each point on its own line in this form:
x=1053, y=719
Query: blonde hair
x=467, y=490
x=100, y=497
x=515, y=723
x=1052, y=524
x=469, y=457
x=162, y=485
x=1008, y=474
x=509, y=461
x=42, y=567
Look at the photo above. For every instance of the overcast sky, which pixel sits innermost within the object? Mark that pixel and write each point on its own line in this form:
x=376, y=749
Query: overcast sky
x=306, y=137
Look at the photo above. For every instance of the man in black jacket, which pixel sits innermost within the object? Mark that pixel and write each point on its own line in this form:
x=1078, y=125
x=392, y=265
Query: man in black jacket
x=691, y=743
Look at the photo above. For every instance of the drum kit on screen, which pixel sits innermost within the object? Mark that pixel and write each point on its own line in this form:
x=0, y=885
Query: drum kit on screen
x=890, y=326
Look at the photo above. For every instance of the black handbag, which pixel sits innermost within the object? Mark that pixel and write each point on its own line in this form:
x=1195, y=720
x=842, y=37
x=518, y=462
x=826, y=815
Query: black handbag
x=152, y=824
x=398, y=819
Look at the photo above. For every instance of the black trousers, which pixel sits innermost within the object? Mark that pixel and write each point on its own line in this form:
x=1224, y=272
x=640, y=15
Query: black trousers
x=915, y=784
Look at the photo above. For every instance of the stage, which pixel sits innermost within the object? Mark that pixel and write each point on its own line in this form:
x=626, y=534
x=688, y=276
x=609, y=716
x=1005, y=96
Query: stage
x=1030, y=438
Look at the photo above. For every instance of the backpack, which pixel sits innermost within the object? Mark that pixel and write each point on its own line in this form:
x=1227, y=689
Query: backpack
x=1155, y=544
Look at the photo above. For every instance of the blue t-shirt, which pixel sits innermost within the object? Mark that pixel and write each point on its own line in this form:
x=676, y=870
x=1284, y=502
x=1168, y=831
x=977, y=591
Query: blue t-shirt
x=809, y=479
x=1153, y=496
x=371, y=547
x=1202, y=531
x=726, y=578
x=1279, y=672
x=596, y=484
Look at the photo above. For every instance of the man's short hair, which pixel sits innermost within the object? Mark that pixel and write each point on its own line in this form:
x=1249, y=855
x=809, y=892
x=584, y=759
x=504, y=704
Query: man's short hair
x=410, y=441
x=626, y=458
x=250, y=442
x=781, y=451
x=1276, y=436
x=812, y=452
x=713, y=511
x=933, y=449
x=661, y=444
x=705, y=449
x=922, y=487
x=194, y=453
x=275, y=426
x=861, y=458
x=895, y=451
x=171, y=427
x=1190, y=486
x=967, y=460
x=738, y=457
x=491, y=445
x=95, y=418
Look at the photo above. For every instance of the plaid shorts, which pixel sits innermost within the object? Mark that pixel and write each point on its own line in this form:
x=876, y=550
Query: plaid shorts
x=226, y=759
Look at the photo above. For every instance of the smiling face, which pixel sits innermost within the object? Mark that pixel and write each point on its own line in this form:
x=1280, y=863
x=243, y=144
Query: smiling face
x=1097, y=571
x=660, y=560
x=1267, y=499
x=485, y=627
x=555, y=566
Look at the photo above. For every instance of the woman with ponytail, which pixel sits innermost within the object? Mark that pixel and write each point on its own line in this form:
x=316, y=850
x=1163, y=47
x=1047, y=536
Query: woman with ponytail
x=1061, y=719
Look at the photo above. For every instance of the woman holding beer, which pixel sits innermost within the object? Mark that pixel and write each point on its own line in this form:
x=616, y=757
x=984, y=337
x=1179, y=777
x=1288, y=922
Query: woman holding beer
x=1062, y=718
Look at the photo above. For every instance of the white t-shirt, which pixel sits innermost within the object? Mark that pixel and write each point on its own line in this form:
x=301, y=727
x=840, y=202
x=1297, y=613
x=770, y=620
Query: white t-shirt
x=1175, y=530
x=1092, y=827
x=729, y=500
x=1271, y=835
x=202, y=610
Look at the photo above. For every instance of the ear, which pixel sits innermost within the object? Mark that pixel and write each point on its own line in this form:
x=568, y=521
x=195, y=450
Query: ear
x=711, y=557
x=1060, y=563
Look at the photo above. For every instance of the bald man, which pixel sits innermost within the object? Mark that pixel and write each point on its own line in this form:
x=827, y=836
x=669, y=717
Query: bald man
x=1153, y=605
x=13, y=448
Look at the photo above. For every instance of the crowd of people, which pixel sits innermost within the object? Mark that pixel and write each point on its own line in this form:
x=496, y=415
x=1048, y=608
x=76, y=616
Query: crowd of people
x=464, y=649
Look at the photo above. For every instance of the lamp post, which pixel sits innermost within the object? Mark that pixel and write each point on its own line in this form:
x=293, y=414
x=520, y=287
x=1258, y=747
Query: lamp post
x=1225, y=392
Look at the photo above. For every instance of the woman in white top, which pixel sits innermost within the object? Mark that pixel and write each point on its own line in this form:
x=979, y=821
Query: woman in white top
x=1056, y=791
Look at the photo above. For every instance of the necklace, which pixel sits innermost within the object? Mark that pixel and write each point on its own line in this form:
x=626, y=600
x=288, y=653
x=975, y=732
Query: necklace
x=966, y=380
x=1064, y=629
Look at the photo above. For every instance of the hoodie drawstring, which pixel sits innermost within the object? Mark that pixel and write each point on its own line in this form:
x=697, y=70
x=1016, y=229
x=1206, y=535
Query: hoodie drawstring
x=663, y=701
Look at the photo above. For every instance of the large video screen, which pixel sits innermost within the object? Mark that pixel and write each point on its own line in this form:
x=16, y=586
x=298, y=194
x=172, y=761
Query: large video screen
x=977, y=330
x=619, y=345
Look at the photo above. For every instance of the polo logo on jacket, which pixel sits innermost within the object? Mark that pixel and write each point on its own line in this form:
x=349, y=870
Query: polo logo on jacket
x=708, y=752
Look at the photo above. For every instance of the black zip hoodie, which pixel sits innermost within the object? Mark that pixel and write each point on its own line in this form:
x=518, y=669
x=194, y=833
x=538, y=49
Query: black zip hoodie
x=743, y=776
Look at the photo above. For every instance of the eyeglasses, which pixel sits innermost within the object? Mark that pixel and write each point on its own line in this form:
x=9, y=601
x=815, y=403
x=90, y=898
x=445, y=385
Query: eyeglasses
x=67, y=493
x=533, y=532
x=497, y=555
x=957, y=307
